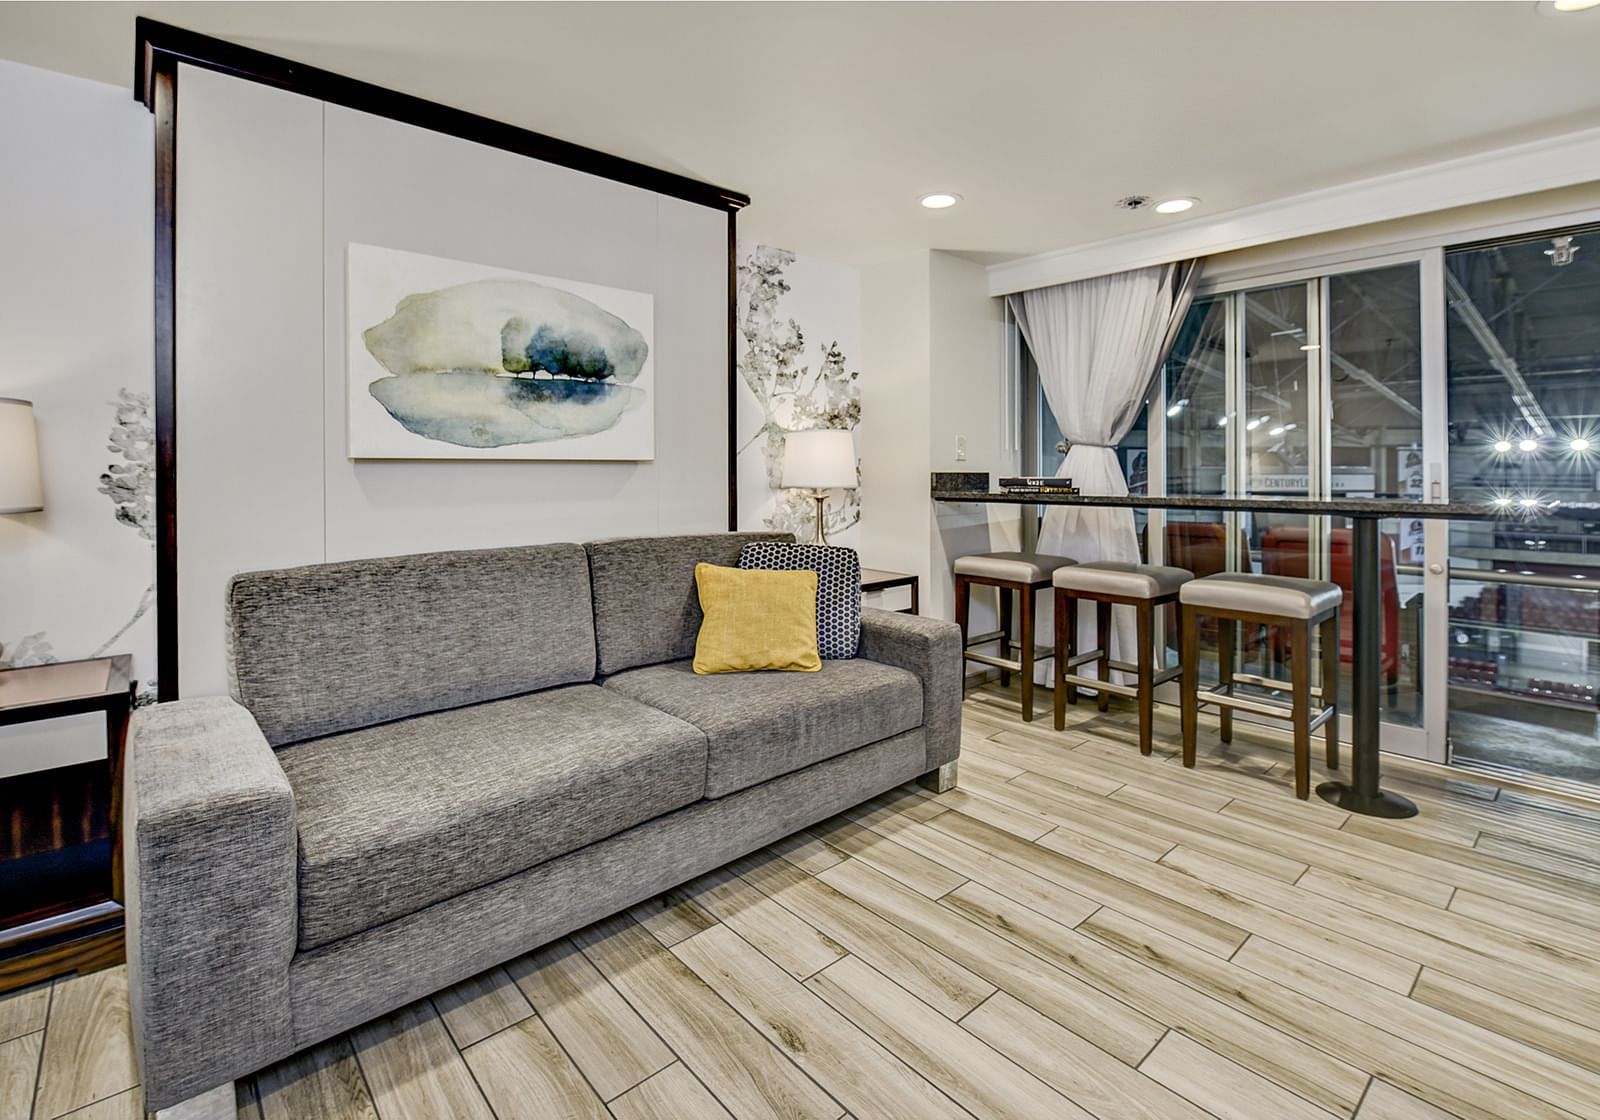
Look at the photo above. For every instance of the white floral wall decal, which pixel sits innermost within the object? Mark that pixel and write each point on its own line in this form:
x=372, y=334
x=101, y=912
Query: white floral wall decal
x=793, y=396
x=130, y=483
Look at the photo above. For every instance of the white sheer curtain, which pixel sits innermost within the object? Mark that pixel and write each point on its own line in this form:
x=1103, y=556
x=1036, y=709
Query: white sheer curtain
x=1098, y=344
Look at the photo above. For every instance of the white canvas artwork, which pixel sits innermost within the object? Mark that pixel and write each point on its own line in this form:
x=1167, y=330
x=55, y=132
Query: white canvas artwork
x=454, y=360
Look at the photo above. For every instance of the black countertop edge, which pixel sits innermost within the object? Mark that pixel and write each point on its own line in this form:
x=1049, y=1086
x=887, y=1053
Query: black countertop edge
x=1348, y=507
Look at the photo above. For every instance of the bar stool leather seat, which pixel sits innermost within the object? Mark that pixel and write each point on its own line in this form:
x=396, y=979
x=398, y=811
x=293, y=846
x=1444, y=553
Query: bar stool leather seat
x=1019, y=574
x=1146, y=588
x=1284, y=596
x=1119, y=577
x=1301, y=607
x=1012, y=567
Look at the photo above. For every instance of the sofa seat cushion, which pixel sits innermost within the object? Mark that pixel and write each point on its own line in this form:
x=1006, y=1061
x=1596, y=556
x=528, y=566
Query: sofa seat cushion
x=762, y=725
x=394, y=818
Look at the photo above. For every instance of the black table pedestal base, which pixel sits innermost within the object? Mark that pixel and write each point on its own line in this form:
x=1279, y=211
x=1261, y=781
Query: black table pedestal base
x=1381, y=804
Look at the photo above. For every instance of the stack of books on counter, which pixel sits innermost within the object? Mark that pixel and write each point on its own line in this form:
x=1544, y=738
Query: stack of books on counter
x=1032, y=485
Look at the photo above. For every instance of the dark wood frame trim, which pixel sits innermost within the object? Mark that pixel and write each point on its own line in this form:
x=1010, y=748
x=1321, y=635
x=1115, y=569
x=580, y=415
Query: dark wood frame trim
x=733, y=371
x=159, y=48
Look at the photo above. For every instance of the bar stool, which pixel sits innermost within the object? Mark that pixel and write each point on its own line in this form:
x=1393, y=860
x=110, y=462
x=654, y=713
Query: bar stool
x=1108, y=583
x=1297, y=605
x=1019, y=573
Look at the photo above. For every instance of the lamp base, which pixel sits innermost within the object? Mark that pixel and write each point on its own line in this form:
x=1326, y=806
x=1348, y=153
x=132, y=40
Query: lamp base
x=821, y=498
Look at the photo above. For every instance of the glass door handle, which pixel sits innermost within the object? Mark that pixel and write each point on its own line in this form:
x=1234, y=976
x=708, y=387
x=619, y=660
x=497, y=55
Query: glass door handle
x=1436, y=569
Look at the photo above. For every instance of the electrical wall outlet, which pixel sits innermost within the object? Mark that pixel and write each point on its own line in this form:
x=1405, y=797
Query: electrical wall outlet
x=961, y=449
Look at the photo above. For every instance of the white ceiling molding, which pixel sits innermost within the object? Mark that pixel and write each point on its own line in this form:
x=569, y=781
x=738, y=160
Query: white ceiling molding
x=1559, y=161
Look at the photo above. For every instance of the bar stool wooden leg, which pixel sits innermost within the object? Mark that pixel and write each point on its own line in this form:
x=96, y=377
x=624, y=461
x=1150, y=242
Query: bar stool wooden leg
x=1330, y=686
x=1102, y=634
x=1300, y=686
x=1188, y=693
x=1005, y=633
x=1058, y=670
x=1027, y=654
x=1072, y=643
x=963, y=601
x=1225, y=629
x=1146, y=661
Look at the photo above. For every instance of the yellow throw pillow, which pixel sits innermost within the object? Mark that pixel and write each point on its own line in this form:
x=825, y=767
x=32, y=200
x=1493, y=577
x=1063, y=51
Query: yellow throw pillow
x=756, y=620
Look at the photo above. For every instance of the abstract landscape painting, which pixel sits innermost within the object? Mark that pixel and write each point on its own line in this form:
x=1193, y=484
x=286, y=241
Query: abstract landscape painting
x=453, y=360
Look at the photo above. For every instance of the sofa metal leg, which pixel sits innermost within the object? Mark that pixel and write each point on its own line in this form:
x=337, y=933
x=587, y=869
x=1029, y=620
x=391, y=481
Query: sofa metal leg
x=214, y=1104
x=941, y=780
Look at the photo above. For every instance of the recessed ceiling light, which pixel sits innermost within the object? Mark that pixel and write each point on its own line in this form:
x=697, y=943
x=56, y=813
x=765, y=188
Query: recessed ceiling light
x=1179, y=205
x=1574, y=5
x=939, y=200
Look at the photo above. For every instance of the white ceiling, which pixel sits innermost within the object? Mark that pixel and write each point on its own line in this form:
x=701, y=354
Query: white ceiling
x=836, y=117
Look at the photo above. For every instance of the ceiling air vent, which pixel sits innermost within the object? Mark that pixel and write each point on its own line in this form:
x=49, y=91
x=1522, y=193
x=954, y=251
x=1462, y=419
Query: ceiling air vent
x=1133, y=202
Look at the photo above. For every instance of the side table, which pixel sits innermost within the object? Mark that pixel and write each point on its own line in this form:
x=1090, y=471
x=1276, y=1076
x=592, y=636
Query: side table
x=88, y=936
x=877, y=579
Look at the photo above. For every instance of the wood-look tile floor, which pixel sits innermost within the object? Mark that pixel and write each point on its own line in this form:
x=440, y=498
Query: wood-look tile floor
x=1075, y=932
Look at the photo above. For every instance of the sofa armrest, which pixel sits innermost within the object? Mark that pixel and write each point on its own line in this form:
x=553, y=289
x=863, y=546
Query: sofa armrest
x=931, y=649
x=209, y=832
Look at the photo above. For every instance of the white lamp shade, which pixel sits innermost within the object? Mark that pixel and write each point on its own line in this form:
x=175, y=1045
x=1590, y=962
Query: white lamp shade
x=20, y=490
x=819, y=459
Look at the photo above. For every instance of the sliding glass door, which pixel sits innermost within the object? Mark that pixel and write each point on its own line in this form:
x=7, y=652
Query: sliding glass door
x=1311, y=387
x=1469, y=373
x=1524, y=401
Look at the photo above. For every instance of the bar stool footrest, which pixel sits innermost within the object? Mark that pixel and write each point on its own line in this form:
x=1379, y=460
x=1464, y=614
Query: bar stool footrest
x=1116, y=689
x=1272, y=683
x=1040, y=654
x=1266, y=708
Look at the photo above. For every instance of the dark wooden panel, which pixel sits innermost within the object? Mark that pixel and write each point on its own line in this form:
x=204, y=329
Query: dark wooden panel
x=54, y=809
x=159, y=44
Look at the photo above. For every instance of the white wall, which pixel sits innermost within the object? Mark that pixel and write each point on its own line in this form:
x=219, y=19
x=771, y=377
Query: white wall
x=932, y=337
x=272, y=188
x=966, y=394
x=75, y=318
x=894, y=459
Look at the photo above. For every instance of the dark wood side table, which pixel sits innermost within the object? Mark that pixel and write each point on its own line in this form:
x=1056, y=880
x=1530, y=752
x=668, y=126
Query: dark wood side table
x=83, y=937
x=876, y=579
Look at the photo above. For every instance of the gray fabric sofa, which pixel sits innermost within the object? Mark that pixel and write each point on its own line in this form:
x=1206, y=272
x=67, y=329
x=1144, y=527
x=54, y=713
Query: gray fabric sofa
x=432, y=764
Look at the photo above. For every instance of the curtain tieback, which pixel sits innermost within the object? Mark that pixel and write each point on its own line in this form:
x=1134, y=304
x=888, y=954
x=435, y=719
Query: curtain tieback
x=1080, y=443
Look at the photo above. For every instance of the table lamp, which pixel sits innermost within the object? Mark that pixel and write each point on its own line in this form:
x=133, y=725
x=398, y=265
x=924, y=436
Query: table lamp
x=819, y=460
x=20, y=490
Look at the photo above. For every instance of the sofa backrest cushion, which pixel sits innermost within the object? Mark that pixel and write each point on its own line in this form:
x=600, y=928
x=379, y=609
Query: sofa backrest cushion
x=646, y=610
x=334, y=647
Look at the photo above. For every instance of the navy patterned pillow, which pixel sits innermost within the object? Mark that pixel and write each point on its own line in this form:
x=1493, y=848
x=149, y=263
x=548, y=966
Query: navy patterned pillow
x=838, y=588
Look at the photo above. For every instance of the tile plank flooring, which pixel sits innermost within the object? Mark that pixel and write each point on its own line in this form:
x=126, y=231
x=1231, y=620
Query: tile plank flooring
x=1076, y=932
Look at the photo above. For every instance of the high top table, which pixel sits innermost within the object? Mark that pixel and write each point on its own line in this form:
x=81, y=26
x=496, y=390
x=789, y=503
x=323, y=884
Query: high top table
x=1362, y=793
